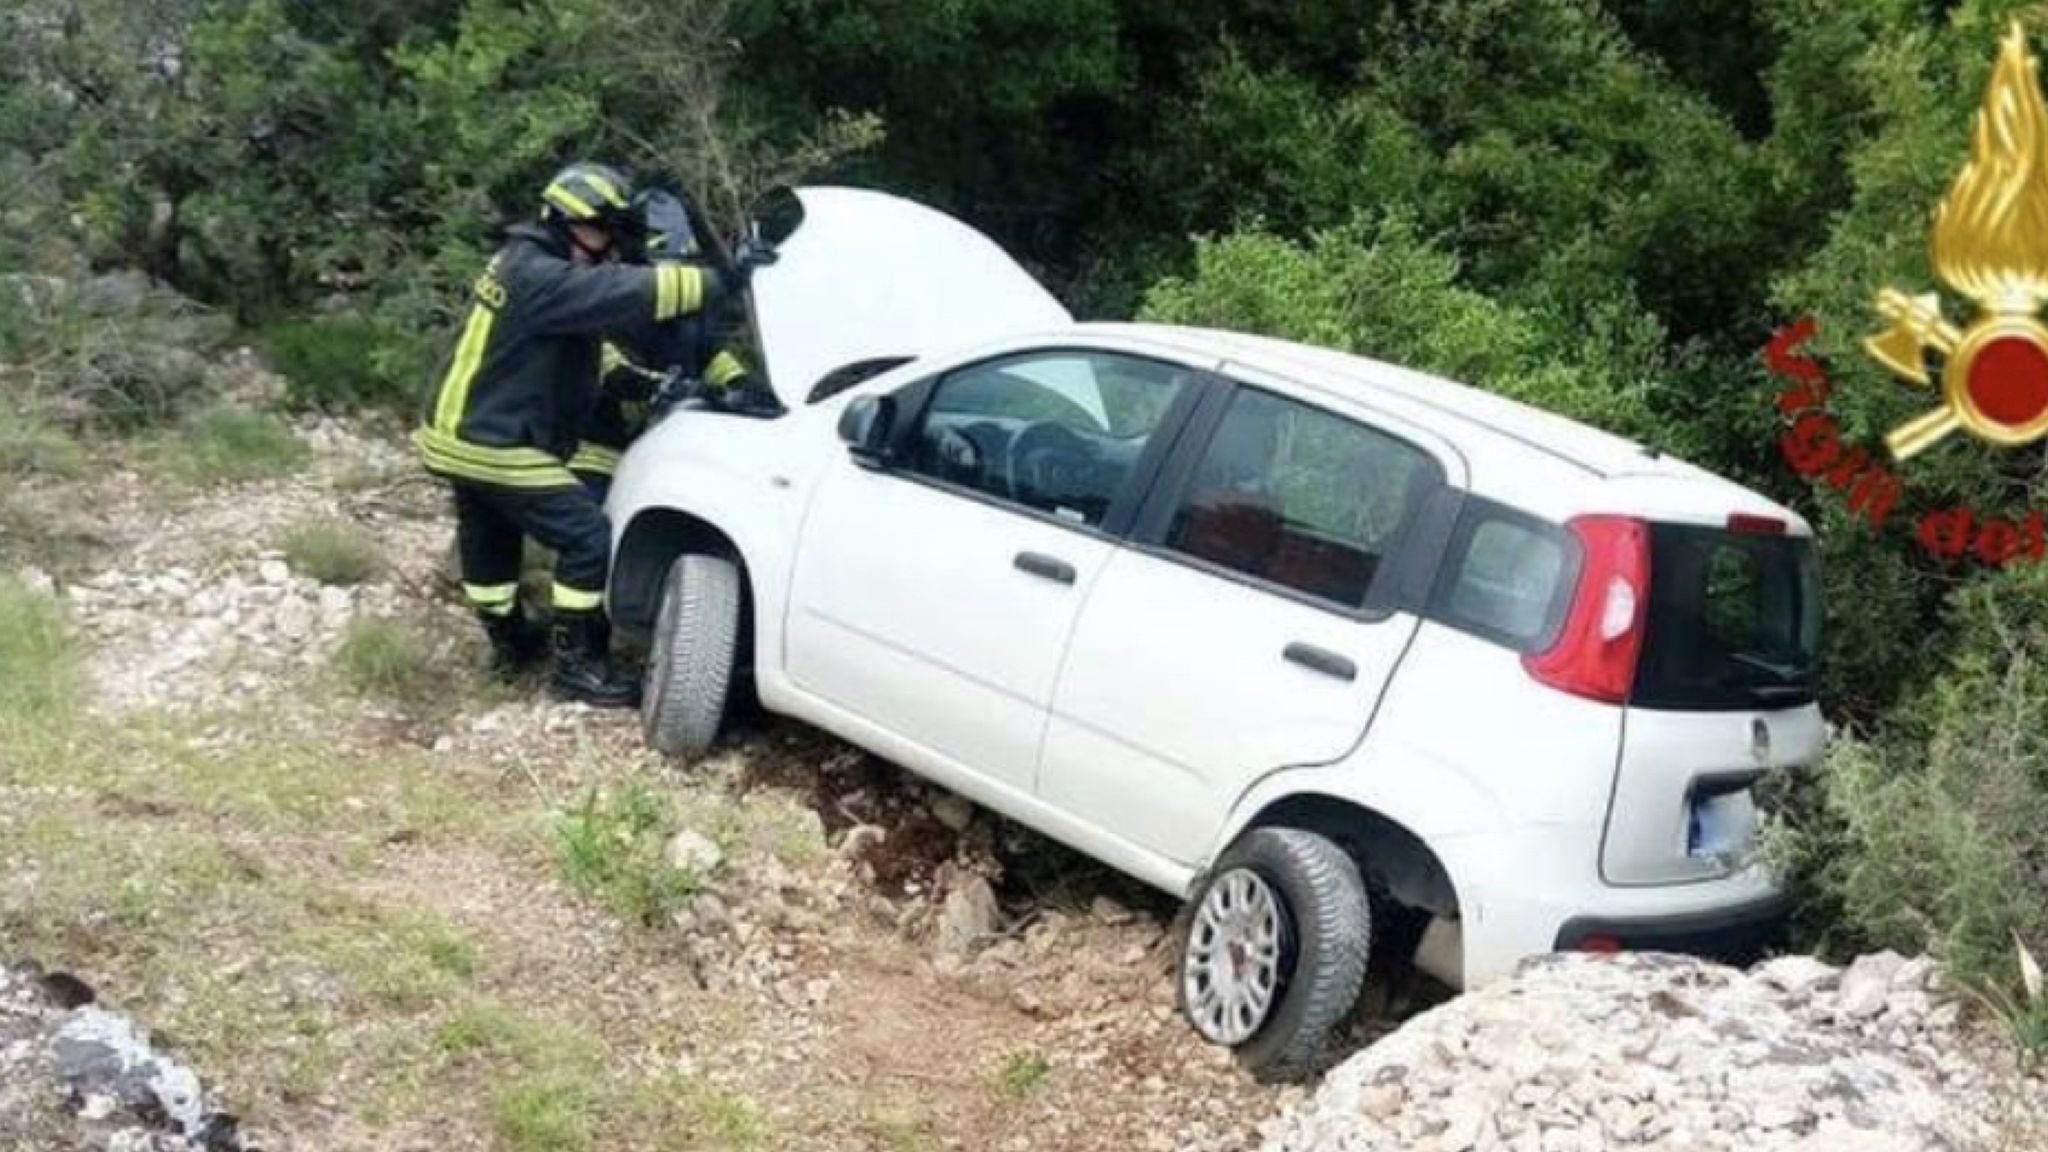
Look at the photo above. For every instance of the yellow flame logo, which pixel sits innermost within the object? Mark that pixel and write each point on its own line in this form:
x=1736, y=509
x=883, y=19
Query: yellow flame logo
x=1990, y=244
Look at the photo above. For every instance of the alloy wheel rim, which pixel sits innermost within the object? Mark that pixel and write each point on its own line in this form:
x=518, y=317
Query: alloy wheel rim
x=1232, y=976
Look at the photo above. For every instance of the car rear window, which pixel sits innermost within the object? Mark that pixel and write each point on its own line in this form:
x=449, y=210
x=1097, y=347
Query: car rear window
x=1733, y=620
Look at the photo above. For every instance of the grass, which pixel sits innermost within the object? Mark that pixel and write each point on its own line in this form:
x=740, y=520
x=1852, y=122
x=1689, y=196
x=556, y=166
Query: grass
x=556, y=1110
x=611, y=846
x=699, y=1114
x=383, y=659
x=38, y=664
x=1024, y=1074
x=31, y=444
x=224, y=445
x=332, y=551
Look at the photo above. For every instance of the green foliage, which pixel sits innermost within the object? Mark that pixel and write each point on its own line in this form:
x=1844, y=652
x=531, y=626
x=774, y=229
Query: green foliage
x=332, y=551
x=613, y=846
x=38, y=663
x=1382, y=291
x=224, y=444
x=1024, y=1074
x=351, y=361
x=384, y=659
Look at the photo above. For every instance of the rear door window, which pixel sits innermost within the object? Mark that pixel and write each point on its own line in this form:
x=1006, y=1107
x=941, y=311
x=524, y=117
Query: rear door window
x=1299, y=497
x=1733, y=620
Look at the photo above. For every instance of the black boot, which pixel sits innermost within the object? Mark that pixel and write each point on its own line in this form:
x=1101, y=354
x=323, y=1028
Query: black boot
x=583, y=666
x=516, y=642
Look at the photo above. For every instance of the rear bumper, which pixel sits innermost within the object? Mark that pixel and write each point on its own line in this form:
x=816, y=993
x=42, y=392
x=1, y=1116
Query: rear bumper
x=1736, y=934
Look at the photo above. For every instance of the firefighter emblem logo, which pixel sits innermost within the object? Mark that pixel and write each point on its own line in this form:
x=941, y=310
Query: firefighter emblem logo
x=1990, y=245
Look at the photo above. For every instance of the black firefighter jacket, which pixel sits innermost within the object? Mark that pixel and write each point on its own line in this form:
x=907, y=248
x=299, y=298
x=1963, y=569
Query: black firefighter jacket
x=524, y=377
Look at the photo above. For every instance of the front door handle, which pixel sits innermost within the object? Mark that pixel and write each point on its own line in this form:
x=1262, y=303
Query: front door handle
x=1321, y=660
x=1046, y=567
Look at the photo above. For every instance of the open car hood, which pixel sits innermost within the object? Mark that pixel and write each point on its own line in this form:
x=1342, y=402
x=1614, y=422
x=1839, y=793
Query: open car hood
x=864, y=276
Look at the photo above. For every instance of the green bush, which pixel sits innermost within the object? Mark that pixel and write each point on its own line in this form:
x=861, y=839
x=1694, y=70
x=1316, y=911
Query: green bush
x=332, y=551
x=1380, y=290
x=224, y=444
x=351, y=361
x=613, y=846
x=383, y=659
x=1933, y=836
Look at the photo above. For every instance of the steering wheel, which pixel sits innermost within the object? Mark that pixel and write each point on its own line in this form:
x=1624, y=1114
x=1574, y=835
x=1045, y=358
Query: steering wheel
x=1038, y=455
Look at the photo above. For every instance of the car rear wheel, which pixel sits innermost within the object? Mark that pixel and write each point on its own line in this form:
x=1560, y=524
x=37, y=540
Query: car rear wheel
x=1274, y=950
x=690, y=662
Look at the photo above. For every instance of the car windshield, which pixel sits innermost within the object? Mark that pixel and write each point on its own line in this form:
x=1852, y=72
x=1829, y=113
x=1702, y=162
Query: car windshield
x=1733, y=620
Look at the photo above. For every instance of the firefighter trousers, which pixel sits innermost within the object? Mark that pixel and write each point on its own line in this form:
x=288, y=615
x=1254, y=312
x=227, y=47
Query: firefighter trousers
x=491, y=525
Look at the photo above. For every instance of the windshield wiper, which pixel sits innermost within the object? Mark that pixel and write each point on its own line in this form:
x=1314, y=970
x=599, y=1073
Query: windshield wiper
x=1785, y=672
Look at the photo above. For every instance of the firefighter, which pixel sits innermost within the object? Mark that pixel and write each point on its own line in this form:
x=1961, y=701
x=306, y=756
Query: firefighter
x=518, y=389
x=688, y=352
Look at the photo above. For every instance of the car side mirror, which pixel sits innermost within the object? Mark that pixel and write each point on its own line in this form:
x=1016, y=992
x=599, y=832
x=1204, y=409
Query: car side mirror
x=865, y=426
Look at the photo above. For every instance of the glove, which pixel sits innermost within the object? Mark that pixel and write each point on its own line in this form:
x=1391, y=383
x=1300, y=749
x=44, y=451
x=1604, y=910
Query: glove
x=676, y=386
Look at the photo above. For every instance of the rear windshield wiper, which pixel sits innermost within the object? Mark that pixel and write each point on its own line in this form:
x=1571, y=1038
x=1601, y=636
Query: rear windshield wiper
x=1789, y=673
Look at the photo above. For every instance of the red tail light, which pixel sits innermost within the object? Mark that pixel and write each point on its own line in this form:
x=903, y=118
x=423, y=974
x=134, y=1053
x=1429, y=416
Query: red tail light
x=1595, y=653
x=1603, y=945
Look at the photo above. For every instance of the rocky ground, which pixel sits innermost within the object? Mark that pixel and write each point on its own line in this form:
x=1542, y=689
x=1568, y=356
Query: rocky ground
x=1582, y=1053
x=873, y=964
x=347, y=918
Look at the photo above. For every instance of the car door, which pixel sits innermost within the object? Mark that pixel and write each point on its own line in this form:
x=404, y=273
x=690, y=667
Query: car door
x=1249, y=625
x=933, y=594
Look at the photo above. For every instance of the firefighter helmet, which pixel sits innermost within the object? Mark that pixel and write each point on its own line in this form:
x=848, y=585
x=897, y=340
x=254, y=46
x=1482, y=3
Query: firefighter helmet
x=585, y=193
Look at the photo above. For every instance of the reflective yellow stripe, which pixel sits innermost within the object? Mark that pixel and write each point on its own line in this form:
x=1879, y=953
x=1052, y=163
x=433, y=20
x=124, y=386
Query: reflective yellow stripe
x=469, y=357
x=723, y=370
x=664, y=292
x=612, y=359
x=605, y=188
x=527, y=468
x=496, y=599
x=594, y=458
x=576, y=599
x=678, y=289
x=569, y=202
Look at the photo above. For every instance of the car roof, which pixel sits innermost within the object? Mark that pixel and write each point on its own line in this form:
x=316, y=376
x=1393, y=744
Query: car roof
x=1520, y=454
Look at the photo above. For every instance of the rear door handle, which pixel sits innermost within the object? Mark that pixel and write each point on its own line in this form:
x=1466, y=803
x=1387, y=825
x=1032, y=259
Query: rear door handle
x=1046, y=567
x=1321, y=660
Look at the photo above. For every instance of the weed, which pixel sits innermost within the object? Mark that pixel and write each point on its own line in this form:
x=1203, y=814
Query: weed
x=552, y=1111
x=1025, y=1074
x=612, y=847
x=489, y=1027
x=331, y=551
x=224, y=444
x=38, y=667
x=703, y=1113
x=31, y=443
x=382, y=659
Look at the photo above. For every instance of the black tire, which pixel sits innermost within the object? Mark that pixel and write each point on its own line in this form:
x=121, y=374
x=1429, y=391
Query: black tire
x=1326, y=941
x=690, y=659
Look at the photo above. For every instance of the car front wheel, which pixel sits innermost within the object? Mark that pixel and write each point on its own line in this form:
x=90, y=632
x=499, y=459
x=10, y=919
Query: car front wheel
x=1274, y=950
x=690, y=663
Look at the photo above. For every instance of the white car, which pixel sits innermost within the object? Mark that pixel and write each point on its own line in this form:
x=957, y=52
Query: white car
x=1345, y=655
